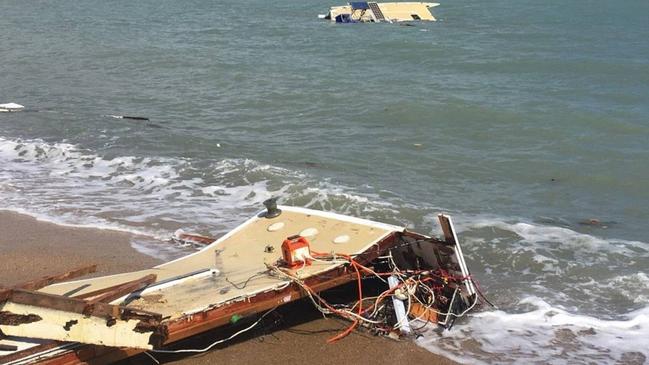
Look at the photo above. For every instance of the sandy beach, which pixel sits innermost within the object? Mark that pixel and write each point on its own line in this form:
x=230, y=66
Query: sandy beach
x=32, y=248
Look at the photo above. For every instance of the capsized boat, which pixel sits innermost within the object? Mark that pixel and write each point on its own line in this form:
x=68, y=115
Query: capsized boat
x=276, y=257
x=372, y=12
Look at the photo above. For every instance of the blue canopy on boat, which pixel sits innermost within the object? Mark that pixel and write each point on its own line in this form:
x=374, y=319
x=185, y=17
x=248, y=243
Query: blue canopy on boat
x=359, y=5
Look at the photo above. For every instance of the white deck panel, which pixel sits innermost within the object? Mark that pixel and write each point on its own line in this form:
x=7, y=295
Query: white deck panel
x=239, y=258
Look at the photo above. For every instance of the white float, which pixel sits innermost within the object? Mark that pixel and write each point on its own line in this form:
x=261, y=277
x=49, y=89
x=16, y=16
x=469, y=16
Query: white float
x=11, y=107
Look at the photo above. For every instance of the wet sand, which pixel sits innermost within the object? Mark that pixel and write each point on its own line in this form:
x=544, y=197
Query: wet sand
x=298, y=333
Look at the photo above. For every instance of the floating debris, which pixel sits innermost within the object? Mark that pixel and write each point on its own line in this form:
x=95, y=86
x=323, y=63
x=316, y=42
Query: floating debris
x=594, y=222
x=128, y=117
x=372, y=12
x=11, y=107
x=185, y=239
x=274, y=258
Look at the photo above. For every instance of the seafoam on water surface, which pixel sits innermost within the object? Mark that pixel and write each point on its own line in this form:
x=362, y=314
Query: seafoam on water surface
x=524, y=120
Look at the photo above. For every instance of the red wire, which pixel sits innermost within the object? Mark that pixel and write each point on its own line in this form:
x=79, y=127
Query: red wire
x=356, y=267
x=360, y=304
x=443, y=274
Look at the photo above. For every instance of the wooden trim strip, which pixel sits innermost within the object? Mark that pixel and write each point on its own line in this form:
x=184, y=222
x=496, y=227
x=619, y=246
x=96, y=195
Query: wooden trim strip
x=49, y=280
x=6, y=293
x=75, y=305
x=107, y=295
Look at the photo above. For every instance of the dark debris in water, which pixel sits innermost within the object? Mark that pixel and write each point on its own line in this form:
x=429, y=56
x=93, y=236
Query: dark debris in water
x=632, y=358
x=588, y=332
x=594, y=222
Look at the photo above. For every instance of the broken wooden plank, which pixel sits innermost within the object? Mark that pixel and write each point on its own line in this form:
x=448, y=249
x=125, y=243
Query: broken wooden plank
x=80, y=306
x=52, y=301
x=181, y=237
x=5, y=294
x=13, y=319
x=445, y=223
x=47, y=316
x=77, y=327
x=8, y=347
x=52, y=279
x=28, y=352
x=107, y=295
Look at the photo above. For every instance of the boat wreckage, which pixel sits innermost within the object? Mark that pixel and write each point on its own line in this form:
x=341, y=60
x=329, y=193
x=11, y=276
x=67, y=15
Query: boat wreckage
x=11, y=107
x=281, y=255
x=372, y=12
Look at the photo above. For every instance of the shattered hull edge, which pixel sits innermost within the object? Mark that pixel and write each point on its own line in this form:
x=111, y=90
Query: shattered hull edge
x=66, y=326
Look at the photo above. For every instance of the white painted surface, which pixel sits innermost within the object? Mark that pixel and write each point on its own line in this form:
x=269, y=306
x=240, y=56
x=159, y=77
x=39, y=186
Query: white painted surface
x=344, y=218
x=87, y=329
x=275, y=227
x=341, y=239
x=11, y=107
x=399, y=308
x=309, y=232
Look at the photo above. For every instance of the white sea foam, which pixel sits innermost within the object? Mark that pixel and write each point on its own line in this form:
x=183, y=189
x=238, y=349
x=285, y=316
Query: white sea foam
x=163, y=251
x=66, y=184
x=633, y=288
x=536, y=233
x=557, y=249
x=546, y=334
x=549, y=264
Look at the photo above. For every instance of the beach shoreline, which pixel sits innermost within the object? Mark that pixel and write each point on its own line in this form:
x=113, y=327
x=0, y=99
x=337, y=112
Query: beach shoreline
x=32, y=248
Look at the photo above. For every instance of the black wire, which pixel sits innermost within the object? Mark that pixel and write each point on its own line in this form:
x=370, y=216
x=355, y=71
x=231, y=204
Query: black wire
x=427, y=318
x=425, y=324
x=482, y=295
x=245, y=283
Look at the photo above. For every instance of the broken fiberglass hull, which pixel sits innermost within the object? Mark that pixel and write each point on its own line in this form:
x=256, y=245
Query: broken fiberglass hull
x=242, y=274
x=372, y=12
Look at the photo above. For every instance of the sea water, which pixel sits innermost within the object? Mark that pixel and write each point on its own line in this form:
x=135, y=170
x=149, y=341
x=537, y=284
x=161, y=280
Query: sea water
x=527, y=121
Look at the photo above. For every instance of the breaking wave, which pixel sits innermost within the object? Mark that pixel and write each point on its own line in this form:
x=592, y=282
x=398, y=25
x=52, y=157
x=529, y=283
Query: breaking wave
x=540, y=234
x=67, y=184
x=585, y=281
x=545, y=334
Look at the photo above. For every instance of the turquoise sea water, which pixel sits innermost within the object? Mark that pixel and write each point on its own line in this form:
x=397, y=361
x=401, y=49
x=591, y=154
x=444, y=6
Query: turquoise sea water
x=523, y=119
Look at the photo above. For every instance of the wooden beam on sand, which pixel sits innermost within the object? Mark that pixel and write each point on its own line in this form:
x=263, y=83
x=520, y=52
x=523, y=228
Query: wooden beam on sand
x=75, y=305
x=8, y=347
x=6, y=293
x=49, y=280
x=107, y=295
